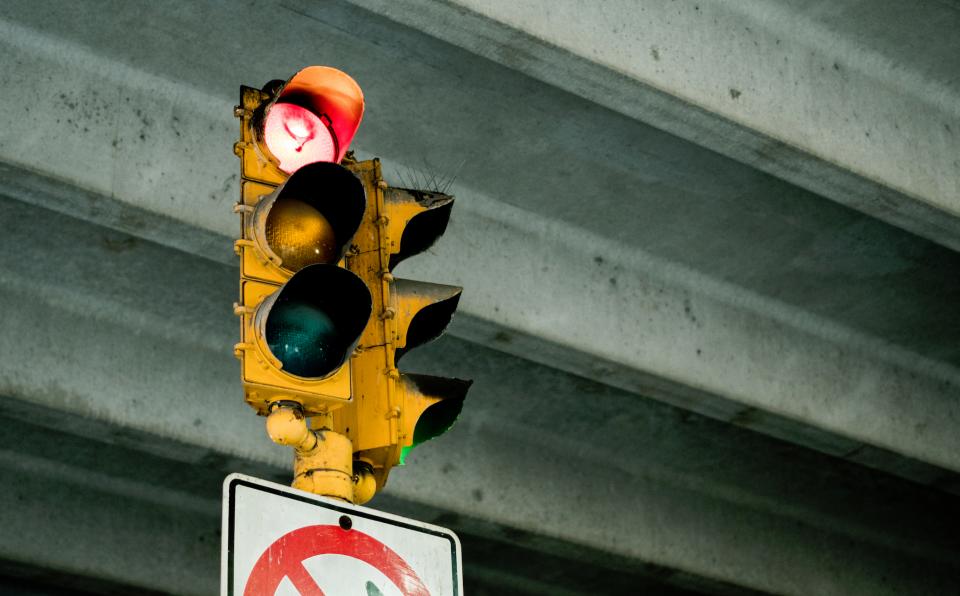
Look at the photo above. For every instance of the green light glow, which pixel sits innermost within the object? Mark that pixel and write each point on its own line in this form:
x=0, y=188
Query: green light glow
x=435, y=420
x=304, y=339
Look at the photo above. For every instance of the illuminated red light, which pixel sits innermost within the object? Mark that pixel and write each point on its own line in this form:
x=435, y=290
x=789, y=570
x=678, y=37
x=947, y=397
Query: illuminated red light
x=296, y=136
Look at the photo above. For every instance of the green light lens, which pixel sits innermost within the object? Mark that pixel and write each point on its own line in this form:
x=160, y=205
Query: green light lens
x=304, y=339
x=316, y=319
x=435, y=420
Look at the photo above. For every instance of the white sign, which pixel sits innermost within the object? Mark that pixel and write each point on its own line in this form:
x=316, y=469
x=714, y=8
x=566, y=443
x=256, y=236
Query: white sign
x=278, y=541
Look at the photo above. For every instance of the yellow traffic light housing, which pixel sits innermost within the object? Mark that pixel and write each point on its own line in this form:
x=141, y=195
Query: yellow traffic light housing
x=323, y=320
x=393, y=412
x=292, y=240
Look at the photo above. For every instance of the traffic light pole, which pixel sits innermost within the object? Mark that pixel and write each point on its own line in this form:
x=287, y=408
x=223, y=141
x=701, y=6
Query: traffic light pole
x=323, y=461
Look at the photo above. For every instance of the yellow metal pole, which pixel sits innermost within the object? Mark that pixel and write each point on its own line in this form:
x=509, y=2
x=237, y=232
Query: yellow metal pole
x=323, y=459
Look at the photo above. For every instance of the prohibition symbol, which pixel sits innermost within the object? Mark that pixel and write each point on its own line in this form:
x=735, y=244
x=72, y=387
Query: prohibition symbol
x=278, y=541
x=285, y=557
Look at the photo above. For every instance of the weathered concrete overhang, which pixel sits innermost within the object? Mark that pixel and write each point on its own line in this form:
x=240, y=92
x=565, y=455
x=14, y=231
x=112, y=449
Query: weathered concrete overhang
x=614, y=250
x=121, y=414
x=839, y=98
x=604, y=261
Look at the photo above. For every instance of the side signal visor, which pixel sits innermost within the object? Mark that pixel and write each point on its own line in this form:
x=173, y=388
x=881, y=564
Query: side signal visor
x=417, y=218
x=431, y=406
x=423, y=311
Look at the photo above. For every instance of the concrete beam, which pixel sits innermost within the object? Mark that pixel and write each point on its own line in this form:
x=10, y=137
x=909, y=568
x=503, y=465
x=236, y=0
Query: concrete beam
x=831, y=97
x=130, y=537
x=736, y=358
x=117, y=520
x=651, y=264
x=127, y=342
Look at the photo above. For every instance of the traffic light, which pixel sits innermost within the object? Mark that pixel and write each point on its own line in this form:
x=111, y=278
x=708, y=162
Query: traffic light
x=297, y=222
x=323, y=320
x=392, y=412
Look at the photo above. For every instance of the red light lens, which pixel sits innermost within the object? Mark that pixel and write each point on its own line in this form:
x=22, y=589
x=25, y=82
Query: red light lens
x=296, y=136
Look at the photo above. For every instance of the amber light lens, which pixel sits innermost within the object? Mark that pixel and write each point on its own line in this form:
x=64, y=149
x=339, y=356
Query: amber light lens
x=299, y=234
x=296, y=136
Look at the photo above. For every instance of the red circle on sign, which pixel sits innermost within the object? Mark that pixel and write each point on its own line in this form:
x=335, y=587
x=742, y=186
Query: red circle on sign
x=285, y=557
